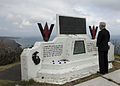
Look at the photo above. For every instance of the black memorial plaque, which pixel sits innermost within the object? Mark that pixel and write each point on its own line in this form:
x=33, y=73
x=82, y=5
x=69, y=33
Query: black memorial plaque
x=72, y=25
x=79, y=47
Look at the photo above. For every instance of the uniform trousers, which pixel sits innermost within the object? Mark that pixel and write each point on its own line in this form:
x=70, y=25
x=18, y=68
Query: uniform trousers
x=103, y=61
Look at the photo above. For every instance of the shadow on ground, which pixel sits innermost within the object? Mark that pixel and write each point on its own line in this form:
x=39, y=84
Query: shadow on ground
x=12, y=74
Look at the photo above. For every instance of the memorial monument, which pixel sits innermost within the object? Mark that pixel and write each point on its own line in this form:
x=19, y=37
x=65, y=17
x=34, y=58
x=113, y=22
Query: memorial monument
x=70, y=56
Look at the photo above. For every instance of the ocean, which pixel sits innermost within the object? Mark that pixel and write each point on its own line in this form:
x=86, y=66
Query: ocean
x=29, y=41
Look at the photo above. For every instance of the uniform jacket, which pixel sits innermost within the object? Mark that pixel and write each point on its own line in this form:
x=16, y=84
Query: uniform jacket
x=103, y=39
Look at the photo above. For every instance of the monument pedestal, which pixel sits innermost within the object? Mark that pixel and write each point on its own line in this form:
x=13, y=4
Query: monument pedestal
x=66, y=58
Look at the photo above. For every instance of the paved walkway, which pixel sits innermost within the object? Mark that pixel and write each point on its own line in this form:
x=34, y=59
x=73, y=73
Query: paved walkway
x=12, y=74
x=111, y=79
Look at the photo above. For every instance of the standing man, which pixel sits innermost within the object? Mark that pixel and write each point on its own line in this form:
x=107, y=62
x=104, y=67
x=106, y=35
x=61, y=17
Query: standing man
x=102, y=44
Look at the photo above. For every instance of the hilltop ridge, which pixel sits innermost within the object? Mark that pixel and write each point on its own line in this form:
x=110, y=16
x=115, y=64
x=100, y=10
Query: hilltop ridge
x=9, y=51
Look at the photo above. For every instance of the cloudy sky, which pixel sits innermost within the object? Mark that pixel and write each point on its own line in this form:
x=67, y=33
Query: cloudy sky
x=20, y=17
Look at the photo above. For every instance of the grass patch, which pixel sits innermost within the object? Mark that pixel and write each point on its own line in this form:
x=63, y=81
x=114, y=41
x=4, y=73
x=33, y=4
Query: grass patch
x=8, y=66
x=31, y=82
x=116, y=64
x=6, y=83
x=18, y=83
x=26, y=83
x=117, y=56
x=78, y=81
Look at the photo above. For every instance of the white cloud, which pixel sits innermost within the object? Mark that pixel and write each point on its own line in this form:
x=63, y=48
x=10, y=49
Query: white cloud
x=26, y=23
x=81, y=11
x=9, y=16
x=15, y=23
x=3, y=28
x=28, y=13
x=118, y=20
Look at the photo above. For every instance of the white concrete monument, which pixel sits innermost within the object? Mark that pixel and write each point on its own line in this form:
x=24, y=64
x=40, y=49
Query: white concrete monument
x=70, y=56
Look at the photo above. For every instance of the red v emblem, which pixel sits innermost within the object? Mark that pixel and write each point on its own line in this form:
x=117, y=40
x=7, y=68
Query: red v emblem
x=46, y=32
x=93, y=31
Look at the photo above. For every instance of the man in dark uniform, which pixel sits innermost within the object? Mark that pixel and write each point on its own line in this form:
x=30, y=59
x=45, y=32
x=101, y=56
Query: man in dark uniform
x=103, y=47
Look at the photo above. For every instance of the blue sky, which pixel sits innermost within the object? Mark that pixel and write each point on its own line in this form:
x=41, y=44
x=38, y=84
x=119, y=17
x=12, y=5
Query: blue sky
x=20, y=17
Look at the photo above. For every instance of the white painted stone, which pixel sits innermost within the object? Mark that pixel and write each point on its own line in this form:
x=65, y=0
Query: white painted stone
x=111, y=52
x=60, y=72
x=58, y=64
x=115, y=76
x=97, y=82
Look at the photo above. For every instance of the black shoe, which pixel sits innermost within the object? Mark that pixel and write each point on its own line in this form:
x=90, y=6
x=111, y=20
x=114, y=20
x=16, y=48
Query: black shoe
x=106, y=72
x=100, y=72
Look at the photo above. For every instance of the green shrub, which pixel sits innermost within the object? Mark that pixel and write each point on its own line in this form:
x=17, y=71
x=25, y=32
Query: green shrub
x=10, y=51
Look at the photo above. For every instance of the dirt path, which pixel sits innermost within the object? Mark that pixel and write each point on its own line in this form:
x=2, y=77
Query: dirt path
x=12, y=74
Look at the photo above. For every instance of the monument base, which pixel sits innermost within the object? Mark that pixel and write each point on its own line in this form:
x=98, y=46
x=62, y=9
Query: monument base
x=59, y=62
x=73, y=70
